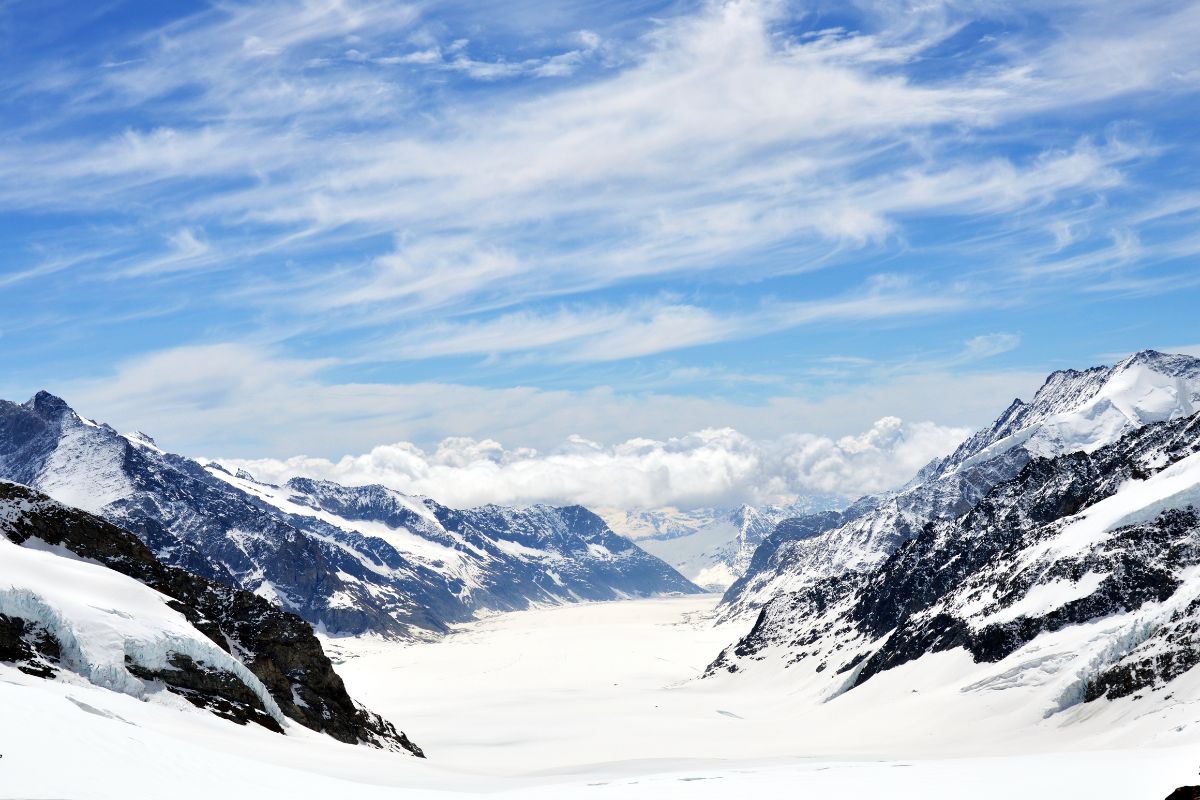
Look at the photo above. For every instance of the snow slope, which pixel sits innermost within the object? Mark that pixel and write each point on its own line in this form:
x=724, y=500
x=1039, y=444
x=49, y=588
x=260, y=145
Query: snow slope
x=1074, y=588
x=83, y=600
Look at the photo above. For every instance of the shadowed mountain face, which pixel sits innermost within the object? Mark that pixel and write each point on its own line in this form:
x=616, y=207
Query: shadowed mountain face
x=1074, y=411
x=278, y=648
x=347, y=559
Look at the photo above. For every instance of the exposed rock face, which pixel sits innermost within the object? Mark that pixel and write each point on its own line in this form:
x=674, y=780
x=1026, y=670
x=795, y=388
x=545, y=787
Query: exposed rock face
x=350, y=559
x=30, y=646
x=1109, y=535
x=1074, y=411
x=212, y=689
x=1185, y=793
x=278, y=647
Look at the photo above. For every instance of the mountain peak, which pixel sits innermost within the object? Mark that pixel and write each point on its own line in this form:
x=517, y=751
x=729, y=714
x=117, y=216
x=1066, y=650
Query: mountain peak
x=47, y=405
x=1147, y=356
x=1172, y=364
x=137, y=437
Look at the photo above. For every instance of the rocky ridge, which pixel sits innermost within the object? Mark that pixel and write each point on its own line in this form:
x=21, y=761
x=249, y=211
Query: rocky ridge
x=1105, y=542
x=1073, y=411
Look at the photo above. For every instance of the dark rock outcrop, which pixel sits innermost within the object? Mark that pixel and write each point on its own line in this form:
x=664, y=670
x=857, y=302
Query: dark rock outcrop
x=31, y=647
x=214, y=690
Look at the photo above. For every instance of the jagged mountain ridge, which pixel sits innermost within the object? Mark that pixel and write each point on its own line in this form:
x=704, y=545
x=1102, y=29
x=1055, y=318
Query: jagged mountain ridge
x=1072, y=411
x=1079, y=577
x=1084, y=410
x=396, y=565
x=484, y=551
x=83, y=597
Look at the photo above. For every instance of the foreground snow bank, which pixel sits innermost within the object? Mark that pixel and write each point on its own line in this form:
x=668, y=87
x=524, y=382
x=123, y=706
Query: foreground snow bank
x=104, y=620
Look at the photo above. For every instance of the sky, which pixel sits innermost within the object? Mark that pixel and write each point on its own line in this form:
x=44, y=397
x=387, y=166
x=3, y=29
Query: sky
x=627, y=253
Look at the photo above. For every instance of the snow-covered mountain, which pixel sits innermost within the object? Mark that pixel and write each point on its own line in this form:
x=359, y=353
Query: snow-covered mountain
x=1074, y=411
x=1076, y=580
x=84, y=601
x=347, y=559
x=712, y=547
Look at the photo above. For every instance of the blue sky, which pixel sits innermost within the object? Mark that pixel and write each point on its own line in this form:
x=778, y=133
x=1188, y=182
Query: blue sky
x=267, y=229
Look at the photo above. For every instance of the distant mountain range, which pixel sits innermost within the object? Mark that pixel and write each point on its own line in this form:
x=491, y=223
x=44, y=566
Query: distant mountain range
x=347, y=559
x=1059, y=548
x=84, y=598
x=712, y=547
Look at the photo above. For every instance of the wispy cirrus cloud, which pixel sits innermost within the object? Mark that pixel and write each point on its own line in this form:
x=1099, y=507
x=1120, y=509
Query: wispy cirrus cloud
x=610, y=333
x=566, y=187
x=716, y=136
x=234, y=399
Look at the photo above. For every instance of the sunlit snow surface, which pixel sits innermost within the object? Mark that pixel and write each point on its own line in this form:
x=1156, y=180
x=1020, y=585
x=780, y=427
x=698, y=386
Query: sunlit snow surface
x=599, y=701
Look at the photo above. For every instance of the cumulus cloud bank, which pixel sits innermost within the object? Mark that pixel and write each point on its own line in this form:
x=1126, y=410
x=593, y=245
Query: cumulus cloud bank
x=711, y=467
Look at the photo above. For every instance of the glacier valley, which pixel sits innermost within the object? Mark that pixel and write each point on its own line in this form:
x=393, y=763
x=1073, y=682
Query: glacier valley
x=1021, y=619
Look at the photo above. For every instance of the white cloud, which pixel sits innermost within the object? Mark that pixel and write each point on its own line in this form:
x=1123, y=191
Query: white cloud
x=706, y=468
x=988, y=345
x=590, y=334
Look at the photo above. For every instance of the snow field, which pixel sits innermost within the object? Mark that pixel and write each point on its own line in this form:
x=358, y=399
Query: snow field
x=598, y=701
